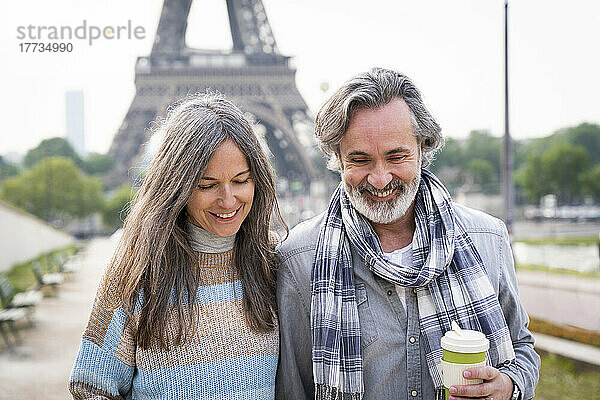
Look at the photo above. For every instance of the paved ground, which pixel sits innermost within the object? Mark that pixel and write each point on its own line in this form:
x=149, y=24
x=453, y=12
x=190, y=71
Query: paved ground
x=563, y=299
x=40, y=367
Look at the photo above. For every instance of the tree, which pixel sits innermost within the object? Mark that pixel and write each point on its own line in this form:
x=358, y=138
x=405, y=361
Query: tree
x=564, y=165
x=556, y=171
x=54, y=147
x=449, y=156
x=587, y=136
x=54, y=190
x=532, y=180
x=116, y=207
x=484, y=146
x=7, y=169
x=481, y=172
x=96, y=164
x=590, y=181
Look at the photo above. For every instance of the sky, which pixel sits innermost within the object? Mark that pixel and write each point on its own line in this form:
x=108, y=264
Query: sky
x=453, y=51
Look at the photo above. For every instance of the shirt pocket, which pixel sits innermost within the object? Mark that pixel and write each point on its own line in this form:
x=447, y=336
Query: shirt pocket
x=368, y=331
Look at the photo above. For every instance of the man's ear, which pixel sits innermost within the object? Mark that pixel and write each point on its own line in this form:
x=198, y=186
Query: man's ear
x=339, y=160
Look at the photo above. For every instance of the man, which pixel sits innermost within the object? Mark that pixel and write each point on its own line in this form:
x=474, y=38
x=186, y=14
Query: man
x=367, y=289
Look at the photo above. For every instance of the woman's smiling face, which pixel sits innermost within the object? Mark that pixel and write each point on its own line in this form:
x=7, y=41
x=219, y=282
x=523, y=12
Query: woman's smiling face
x=223, y=197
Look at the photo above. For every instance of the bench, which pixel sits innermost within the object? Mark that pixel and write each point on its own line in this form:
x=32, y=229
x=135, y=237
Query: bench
x=25, y=300
x=47, y=280
x=67, y=265
x=8, y=317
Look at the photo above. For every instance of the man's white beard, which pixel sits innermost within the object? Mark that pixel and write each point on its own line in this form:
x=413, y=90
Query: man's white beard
x=384, y=212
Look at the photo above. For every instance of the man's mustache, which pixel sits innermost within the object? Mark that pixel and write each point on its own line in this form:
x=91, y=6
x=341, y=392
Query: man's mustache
x=393, y=184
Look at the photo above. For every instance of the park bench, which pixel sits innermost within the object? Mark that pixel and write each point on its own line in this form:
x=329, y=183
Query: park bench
x=24, y=300
x=8, y=317
x=51, y=280
x=66, y=265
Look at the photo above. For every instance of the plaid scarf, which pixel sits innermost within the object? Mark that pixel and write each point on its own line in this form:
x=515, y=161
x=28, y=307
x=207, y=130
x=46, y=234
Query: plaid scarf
x=447, y=272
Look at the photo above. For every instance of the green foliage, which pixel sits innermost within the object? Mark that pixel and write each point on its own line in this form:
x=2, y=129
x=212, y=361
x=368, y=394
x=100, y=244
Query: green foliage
x=484, y=146
x=560, y=379
x=531, y=179
x=7, y=169
x=590, y=180
x=54, y=189
x=521, y=152
x=587, y=136
x=481, y=172
x=477, y=160
x=54, y=147
x=564, y=164
x=97, y=164
x=450, y=156
x=116, y=207
x=557, y=171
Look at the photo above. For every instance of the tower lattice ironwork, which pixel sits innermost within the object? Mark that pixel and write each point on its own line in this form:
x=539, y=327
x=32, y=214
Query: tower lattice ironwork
x=253, y=74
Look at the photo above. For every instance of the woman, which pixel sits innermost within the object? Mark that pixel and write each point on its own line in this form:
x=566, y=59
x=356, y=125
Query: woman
x=186, y=309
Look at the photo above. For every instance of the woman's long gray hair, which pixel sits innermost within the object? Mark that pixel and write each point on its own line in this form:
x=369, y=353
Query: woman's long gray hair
x=371, y=90
x=154, y=262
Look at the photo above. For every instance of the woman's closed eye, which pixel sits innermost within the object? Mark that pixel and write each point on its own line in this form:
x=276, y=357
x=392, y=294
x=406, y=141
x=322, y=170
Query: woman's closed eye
x=212, y=185
x=206, y=187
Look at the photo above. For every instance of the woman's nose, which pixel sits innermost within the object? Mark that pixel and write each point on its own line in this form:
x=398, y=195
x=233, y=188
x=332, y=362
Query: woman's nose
x=227, y=198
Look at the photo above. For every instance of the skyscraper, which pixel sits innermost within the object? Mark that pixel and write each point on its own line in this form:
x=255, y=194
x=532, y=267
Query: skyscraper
x=74, y=120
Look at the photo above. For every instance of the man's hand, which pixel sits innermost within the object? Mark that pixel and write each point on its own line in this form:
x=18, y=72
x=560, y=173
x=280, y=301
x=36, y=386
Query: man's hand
x=496, y=385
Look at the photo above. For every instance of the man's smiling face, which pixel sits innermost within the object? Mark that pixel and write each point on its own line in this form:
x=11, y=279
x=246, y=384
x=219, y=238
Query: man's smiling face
x=380, y=158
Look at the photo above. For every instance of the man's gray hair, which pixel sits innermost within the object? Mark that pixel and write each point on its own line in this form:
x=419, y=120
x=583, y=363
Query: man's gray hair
x=371, y=90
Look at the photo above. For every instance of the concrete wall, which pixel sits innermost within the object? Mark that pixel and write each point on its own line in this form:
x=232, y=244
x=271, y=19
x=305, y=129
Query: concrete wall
x=23, y=237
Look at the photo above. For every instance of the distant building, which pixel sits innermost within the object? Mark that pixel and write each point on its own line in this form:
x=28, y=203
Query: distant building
x=74, y=120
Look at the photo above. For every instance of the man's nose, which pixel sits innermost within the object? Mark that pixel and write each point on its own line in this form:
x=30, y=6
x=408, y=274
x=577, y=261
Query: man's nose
x=227, y=197
x=379, y=177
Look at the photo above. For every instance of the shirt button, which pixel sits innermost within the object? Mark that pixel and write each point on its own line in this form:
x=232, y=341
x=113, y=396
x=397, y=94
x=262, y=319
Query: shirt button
x=415, y=290
x=414, y=393
x=412, y=339
x=389, y=292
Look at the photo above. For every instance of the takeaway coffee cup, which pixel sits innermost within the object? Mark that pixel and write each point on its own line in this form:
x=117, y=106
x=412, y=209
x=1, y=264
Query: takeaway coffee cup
x=462, y=349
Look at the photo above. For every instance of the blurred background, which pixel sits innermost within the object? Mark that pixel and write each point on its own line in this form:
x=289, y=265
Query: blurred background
x=83, y=82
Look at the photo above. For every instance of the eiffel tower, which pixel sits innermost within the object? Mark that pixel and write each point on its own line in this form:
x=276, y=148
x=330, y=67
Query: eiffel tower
x=254, y=75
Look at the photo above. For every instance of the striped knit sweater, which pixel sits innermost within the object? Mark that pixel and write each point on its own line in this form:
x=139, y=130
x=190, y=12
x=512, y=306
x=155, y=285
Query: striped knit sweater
x=224, y=360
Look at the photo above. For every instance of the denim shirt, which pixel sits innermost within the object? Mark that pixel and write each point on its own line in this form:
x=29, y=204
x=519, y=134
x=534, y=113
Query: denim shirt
x=394, y=364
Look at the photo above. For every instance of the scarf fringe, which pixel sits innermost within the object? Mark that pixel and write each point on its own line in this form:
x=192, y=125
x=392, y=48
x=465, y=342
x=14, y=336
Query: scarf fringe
x=326, y=392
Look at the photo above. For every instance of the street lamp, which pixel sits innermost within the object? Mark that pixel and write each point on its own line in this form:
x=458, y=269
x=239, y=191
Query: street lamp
x=508, y=162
